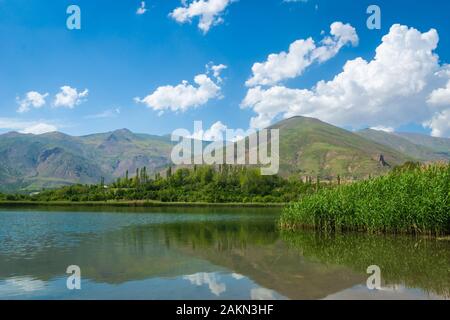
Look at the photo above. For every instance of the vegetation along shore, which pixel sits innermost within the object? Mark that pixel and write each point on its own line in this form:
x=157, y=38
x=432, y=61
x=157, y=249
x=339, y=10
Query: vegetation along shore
x=411, y=199
x=203, y=184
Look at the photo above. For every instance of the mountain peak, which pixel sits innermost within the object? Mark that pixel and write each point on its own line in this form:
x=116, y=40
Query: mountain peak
x=296, y=121
x=55, y=135
x=120, y=135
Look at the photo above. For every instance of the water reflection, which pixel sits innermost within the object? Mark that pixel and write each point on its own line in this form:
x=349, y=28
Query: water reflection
x=412, y=262
x=212, y=280
x=201, y=254
x=18, y=285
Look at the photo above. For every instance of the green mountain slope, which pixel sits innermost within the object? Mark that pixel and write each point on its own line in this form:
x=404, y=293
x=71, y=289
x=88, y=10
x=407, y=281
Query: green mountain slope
x=418, y=146
x=312, y=147
x=123, y=150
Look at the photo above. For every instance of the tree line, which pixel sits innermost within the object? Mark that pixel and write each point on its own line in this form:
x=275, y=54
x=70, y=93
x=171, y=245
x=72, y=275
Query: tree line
x=222, y=184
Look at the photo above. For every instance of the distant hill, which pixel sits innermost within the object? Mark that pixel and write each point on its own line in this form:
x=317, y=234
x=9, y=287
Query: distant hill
x=419, y=146
x=440, y=145
x=308, y=147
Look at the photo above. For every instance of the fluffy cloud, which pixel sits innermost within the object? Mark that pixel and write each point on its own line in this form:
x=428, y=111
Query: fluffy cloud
x=440, y=97
x=215, y=133
x=26, y=126
x=184, y=96
x=69, y=97
x=32, y=99
x=220, y=132
x=391, y=90
x=142, y=9
x=39, y=128
x=216, y=70
x=301, y=54
x=440, y=124
x=208, y=11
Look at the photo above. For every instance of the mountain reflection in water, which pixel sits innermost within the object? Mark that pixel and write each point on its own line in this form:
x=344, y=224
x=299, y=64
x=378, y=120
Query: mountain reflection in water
x=208, y=253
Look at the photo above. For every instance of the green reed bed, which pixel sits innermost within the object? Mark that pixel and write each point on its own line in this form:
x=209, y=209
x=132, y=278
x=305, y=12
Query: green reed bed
x=412, y=199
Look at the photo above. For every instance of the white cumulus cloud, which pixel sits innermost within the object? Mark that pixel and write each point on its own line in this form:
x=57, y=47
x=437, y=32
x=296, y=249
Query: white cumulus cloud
x=398, y=86
x=185, y=95
x=216, y=70
x=301, y=54
x=209, y=12
x=215, y=133
x=23, y=126
x=69, y=97
x=220, y=132
x=32, y=99
x=440, y=124
x=440, y=97
x=39, y=128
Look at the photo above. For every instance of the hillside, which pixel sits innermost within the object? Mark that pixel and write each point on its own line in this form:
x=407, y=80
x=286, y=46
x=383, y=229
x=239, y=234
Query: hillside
x=312, y=147
x=418, y=146
x=32, y=162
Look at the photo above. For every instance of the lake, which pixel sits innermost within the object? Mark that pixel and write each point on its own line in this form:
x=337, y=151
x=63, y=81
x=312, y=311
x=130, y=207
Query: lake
x=206, y=253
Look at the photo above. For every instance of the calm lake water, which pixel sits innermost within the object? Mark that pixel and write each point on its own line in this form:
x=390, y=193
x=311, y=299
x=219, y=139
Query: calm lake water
x=214, y=253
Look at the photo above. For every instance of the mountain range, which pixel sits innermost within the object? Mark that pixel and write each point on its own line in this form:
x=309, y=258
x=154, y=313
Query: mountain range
x=308, y=147
x=33, y=162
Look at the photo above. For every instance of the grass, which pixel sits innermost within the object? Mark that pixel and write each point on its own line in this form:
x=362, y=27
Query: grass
x=413, y=199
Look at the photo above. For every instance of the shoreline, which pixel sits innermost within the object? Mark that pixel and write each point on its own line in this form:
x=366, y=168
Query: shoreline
x=139, y=203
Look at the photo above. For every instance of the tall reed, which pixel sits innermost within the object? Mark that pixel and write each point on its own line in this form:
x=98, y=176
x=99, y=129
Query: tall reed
x=413, y=199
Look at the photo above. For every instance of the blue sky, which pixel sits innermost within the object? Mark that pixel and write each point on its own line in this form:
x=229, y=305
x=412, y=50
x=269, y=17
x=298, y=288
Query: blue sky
x=119, y=55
